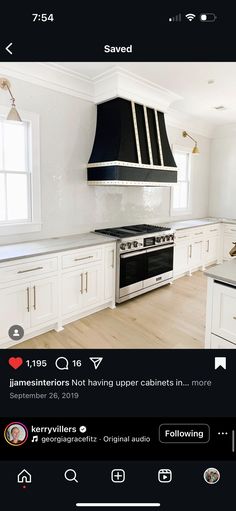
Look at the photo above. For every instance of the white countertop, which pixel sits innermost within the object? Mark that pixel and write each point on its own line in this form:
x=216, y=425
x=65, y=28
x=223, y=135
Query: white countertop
x=199, y=222
x=59, y=244
x=50, y=245
x=225, y=272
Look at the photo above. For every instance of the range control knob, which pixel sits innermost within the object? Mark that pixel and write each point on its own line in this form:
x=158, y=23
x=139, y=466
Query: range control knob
x=167, y=238
x=135, y=244
x=158, y=240
x=122, y=247
x=129, y=245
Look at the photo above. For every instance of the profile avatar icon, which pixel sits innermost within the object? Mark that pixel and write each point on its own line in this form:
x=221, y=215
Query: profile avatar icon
x=211, y=475
x=16, y=433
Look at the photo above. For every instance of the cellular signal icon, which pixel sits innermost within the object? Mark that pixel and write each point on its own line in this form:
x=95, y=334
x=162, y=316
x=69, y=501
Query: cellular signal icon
x=190, y=16
x=178, y=17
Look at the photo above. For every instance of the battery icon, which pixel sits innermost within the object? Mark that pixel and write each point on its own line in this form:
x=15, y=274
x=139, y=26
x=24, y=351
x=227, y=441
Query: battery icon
x=208, y=17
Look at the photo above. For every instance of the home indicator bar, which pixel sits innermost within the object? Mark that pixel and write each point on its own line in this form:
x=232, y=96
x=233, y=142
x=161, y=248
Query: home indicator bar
x=119, y=504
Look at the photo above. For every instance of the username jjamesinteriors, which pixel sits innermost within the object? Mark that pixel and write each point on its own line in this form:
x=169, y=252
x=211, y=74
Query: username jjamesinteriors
x=93, y=383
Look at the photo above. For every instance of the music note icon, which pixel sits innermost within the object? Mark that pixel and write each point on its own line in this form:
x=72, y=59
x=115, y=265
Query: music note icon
x=35, y=439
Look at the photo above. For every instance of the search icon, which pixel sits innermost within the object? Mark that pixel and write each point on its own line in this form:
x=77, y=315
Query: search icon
x=71, y=475
x=62, y=363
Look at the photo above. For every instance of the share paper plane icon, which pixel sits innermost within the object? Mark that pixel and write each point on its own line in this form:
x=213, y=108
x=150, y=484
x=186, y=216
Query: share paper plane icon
x=96, y=361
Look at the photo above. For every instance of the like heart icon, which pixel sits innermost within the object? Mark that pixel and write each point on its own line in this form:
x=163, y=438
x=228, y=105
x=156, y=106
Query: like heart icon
x=15, y=362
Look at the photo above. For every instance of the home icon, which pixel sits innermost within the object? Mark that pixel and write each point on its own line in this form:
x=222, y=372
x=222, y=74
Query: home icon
x=24, y=477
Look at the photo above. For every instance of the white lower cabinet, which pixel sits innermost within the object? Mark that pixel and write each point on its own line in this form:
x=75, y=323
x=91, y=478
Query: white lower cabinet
x=14, y=308
x=93, y=287
x=43, y=301
x=212, y=249
x=220, y=315
x=82, y=289
x=40, y=294
x=109, y=274
x=224, y=311
x=181, y=257
x=196, y=254
x=30, y=304
x=195, y=249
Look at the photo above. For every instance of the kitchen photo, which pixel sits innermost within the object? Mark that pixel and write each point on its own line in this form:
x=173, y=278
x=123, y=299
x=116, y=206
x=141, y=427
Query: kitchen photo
x=118, y=205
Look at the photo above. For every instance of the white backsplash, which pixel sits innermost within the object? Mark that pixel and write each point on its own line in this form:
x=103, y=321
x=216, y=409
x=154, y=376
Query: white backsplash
x=69, y=204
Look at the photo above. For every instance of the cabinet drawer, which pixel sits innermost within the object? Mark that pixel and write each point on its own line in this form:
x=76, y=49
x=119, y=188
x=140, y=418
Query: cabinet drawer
x=213, y=230
x=224, y=311
x=198, y=233
x=230, y=229
x=29, y=269
x=81, y=257
x=182, y=235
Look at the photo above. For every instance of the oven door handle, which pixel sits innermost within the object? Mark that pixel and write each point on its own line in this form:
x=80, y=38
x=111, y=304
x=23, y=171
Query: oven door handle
x=132, y=254
x=155, y=249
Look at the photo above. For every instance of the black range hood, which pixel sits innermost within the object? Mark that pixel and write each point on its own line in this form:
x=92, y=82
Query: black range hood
x=131, y=147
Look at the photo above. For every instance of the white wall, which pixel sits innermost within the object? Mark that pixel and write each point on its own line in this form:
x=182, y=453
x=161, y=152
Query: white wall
x=222, y=201
x=69, y=205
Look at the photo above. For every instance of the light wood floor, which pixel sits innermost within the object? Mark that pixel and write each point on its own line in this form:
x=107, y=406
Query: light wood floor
x=170, y=317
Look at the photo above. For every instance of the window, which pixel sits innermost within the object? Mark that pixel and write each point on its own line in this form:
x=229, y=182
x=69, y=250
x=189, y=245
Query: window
x=180, y=193
x=19, y=175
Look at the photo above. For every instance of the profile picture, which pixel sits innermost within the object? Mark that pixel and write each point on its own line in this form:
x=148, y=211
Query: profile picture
x=211, y=475
x=16, y=433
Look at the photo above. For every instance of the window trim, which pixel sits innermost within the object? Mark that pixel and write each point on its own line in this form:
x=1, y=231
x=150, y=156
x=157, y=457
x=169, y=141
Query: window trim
x=35, y=223
x=182, y=211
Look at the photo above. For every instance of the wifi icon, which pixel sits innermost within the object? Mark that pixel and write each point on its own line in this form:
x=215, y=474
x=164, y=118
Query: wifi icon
x=190, y=16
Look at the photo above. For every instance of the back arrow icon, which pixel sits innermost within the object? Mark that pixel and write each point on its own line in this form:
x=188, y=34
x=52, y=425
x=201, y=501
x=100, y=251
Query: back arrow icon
x=8, y=48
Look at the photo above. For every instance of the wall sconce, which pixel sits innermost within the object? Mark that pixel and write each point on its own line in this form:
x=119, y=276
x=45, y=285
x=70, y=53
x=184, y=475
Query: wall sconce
x=13, y=114
x=195, y=149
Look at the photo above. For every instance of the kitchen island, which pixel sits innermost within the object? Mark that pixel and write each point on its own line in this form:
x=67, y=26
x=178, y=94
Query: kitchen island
x=221, y=306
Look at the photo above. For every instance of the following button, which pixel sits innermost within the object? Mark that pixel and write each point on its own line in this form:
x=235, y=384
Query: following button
x=184, y=433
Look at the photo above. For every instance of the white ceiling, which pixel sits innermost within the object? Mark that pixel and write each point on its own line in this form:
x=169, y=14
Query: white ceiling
x=188, y=79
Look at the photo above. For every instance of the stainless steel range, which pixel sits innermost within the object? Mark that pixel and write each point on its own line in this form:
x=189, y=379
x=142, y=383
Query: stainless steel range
x=144, y=258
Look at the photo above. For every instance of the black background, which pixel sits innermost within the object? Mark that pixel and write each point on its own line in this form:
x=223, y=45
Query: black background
x=186, y=365
x=81, y=29
x=219, y=447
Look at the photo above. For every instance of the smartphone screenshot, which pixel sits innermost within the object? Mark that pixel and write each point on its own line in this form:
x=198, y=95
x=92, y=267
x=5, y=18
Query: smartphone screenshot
x=117, y=257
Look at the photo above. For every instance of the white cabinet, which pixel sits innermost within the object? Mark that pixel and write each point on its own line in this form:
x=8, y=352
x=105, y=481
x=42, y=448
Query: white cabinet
x=91, y=284
x=220, y=315
x=43, y=301
x=14, y=308
x=181, y=256
x=212, y=244
x=224, y=311
x=196, y=254
x=110, y=268
x=196, y=248
x=229, y=237
x=30, y=304
x=71, y=292
x=44, y=293
x=82, y=289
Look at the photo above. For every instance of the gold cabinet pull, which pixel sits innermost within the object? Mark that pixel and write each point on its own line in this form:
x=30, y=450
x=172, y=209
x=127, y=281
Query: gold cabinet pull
x=81, y=283
x=31, y=269
x=190, y=251
x=34, y=288
x=28, y=298
x=86, y=281
x=208, y=245
x=82, y=258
